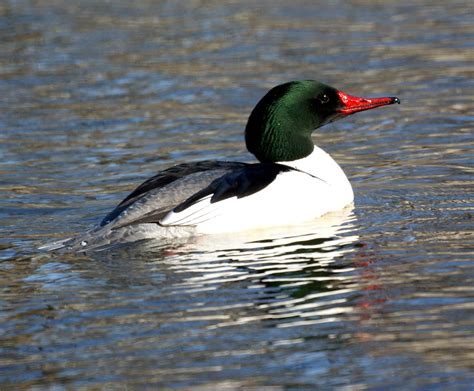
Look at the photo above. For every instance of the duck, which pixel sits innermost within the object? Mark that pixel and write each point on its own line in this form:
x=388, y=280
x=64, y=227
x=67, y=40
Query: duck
x=292, y=182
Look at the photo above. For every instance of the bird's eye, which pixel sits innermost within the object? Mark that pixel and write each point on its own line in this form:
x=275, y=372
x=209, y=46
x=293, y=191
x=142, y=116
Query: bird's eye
x=323, y=98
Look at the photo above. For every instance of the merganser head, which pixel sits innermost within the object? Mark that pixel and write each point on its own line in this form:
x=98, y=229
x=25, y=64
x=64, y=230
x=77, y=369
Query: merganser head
x=280, y=126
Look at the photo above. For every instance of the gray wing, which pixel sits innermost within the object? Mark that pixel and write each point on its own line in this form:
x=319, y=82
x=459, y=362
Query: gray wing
x=150, y=201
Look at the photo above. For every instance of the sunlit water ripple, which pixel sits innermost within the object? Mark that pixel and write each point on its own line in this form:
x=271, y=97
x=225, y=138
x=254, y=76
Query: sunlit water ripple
x=96, y=97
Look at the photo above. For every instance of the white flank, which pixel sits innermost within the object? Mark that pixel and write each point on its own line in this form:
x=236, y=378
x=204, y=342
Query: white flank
x=293, y=197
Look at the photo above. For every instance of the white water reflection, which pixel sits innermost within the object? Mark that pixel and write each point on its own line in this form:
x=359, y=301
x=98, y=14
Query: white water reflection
x=294, y=271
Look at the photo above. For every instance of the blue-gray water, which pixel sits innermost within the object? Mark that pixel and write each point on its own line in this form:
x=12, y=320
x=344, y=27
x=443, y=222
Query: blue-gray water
x=97, y=96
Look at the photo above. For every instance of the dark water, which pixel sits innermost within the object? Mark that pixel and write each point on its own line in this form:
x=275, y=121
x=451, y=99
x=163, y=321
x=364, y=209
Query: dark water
x=97, y=96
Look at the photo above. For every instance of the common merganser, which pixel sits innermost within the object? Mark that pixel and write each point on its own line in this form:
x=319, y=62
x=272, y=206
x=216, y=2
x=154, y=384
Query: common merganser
x=294, y=181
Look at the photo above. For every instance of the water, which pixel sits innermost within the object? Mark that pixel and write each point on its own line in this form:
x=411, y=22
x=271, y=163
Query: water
x=97, y=96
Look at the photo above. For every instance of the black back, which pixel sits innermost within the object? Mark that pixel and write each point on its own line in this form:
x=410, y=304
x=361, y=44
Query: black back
x=239, y=183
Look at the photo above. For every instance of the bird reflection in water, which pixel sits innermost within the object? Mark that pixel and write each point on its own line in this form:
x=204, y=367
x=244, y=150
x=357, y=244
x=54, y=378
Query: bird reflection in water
x=295, y=275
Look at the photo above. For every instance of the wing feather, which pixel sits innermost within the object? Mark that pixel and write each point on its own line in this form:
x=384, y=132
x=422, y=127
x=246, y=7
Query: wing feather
x=170, y=178
x=239, y=183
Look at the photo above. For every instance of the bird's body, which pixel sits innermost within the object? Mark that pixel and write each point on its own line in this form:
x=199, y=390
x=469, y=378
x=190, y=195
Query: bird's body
x=295, y=181
x=288, y=199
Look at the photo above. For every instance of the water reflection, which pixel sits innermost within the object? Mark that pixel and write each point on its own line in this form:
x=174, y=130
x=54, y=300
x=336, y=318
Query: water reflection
x=288, y=275
x=294, y=272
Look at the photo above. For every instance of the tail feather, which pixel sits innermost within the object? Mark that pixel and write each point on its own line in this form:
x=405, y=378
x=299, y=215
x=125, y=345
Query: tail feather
x=56, y=245
x=101, y=237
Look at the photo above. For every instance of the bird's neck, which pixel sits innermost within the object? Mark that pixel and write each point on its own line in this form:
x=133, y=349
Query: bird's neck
x=321, y=165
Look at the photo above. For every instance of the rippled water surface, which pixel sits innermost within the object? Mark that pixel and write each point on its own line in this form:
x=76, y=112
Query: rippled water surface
x=98, y=96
